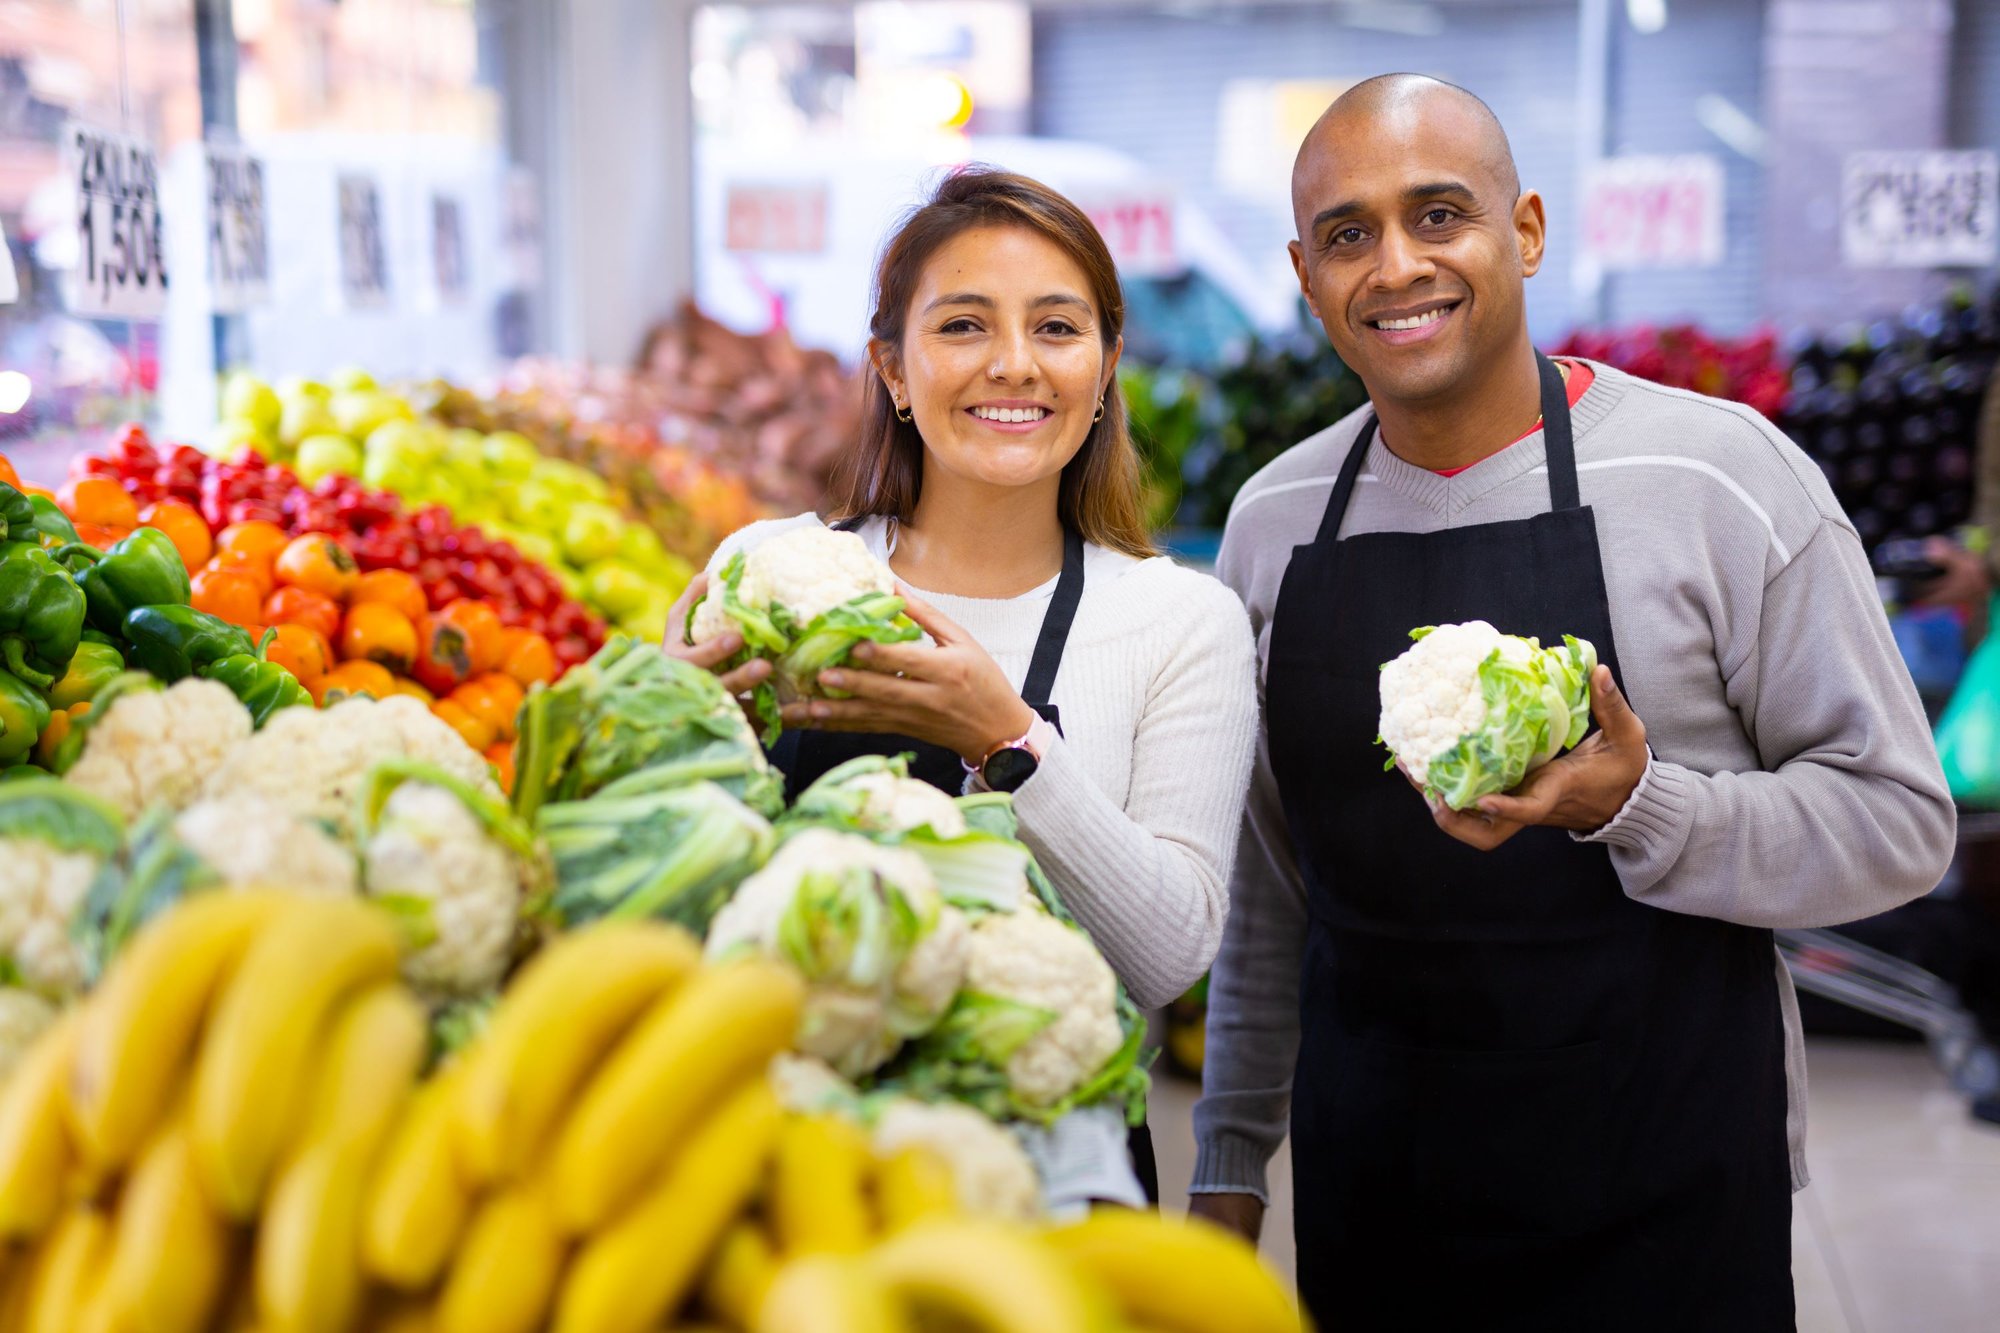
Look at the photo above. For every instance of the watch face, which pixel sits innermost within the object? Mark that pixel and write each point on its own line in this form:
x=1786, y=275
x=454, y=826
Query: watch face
x=1006, y=770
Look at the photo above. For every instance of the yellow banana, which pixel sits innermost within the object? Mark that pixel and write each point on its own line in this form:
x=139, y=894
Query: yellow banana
x=993, y=1277
x=720, y=1028
x=417, y=1201
x=376, y=1048
x=401, y=1315
x=504, y=1278
x=738, y=1275
x=830, y=1294
x=911, y=1185
x=565, y=1010
x=1177, y=1275
x=638, y=1271
x=252, y=1082
x=137, y=1034
x=171, y=1249
x=307, y=1260
x=20, y=1285
x=64, y=1276
x=816, y=1203
x=36, y=1153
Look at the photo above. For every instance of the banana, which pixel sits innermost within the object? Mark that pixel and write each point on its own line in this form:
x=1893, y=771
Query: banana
x=504, y=1277
x=36, y=1154
x=739, y=1275
x=816, y=1203
x=21, y=1275
x=171, y=1249
x=634, y=1274
x=307, y=1262
x=377, y=1046
x=720, y=1028
x=417, y=1201
x=996, y=1278
x=251, y=1080
x=1177, y=1275
x=565, y=1010
x=830, y=1294
x=63, y=1279
x=138, y=1031
x=911, y=1185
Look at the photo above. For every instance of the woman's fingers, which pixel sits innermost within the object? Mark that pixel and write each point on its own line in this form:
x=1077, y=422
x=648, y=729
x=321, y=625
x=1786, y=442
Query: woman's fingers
x=677, y=614
x=746, y=677
x=868, y=686
x=933, y=621
x=838, y=715
x=708, y=656
x=895, y=659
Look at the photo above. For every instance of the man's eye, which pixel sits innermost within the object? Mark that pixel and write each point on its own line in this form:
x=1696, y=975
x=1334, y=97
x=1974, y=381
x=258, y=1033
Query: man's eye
x=1437, y=217
x=1347, y=236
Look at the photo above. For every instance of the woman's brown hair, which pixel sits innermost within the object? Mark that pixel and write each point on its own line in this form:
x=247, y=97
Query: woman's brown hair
x=882, y=474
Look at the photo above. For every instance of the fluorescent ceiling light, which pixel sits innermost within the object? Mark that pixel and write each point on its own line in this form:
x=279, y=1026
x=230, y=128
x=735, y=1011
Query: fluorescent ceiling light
x=1404, y=17
x=1646, y=16
x=1731, y=124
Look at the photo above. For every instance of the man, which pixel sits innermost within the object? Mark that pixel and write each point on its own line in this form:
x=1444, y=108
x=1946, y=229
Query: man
x=1542, y=1061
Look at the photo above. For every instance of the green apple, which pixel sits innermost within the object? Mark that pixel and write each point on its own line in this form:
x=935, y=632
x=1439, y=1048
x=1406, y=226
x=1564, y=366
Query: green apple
x=323, y=455
x=360, y=411
x=538, y=547
x=649, y=623
x=352, y=379
x=591, y=532
x=511, y=454
x=616, y=588
x=304, y=416
x=537, y=505
x=247, y=398
x=466, y=457
x=230, y=440
x=404, y=439
x=298, y=386
x=638, y=544
x=571, y=581
x=388, y=471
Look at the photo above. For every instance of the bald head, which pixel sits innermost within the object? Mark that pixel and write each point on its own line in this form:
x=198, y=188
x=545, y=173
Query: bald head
x=1397, y=107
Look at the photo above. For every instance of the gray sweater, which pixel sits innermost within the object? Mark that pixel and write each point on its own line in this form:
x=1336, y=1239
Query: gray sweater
x=1793, y=781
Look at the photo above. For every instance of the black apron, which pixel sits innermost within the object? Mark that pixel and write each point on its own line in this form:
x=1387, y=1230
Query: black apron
x=804, y=756
x=1523, y=1100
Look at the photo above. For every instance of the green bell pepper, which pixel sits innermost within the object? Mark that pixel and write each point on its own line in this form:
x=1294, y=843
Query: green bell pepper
x=52, y=522
x=41, y=614
x=264, y=687
x=120, y=685
x=23, y=714
x=176, y=641
x=144, y=569
x=93, y=666
x=17, y=514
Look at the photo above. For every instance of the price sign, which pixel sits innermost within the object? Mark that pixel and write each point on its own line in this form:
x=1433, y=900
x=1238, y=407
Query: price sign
x=364, y=248
x=1654, y=212
x=121, y=262
x=1138, y=229
x=1921, y=209
x=239, y=252
x=776, y=219
x=448, y=273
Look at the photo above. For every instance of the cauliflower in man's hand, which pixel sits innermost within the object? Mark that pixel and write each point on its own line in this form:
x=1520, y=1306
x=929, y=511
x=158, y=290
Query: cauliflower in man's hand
x=803, y=600
x=1470, y=712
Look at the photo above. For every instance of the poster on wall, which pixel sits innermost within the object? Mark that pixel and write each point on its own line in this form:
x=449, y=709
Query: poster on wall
x=239, y=246
x=364, y=245
x=1646, y=212
x=449, y=279
x=1920, y=209
x=121, y=260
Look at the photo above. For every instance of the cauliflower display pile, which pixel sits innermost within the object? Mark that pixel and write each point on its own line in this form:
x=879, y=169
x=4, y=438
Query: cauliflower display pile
x=54, y=842
x=803, y=600
x=864, y=924
x=247, y=838
x=145, y=746
x=24, y=1016
x=1469, y=711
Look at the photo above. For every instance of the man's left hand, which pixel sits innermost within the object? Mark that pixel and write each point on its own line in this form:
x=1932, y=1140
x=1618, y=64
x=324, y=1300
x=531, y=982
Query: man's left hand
x=1581, y=791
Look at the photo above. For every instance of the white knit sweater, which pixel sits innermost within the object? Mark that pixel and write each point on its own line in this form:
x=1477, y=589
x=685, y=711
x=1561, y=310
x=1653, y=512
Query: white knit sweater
x=1135, y=810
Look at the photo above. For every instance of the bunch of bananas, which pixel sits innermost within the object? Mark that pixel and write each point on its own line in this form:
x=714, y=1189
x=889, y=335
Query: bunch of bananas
x=231, y=1133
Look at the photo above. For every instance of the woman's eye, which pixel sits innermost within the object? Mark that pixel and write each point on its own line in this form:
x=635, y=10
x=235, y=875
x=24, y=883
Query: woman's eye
x=959, y=326
x=1060, y=328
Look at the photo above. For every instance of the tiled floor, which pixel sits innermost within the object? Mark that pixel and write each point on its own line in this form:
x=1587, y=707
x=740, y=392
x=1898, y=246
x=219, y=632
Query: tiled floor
x=1898, y=1233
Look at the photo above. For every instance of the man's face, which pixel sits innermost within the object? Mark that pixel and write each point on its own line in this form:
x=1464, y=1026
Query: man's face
x=1412, y=246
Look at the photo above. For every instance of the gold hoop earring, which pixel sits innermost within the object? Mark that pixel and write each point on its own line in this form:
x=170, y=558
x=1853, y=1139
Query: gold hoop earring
x=1100, y=412
x=905, y=414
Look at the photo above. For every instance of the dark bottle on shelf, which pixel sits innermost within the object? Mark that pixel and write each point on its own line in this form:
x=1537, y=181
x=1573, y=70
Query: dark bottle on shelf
x=1951, y=465
x=1870, y=526
x=1871, y=437
x=1905, y=467
x=1923, y=520
x=1834, y=443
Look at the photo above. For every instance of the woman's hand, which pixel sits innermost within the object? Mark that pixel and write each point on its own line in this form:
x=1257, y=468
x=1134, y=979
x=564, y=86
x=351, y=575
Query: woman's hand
x=952, y=694
x=711, y=655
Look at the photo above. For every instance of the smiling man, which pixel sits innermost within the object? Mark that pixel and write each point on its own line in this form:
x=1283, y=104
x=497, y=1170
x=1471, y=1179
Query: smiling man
x=1541, y=1060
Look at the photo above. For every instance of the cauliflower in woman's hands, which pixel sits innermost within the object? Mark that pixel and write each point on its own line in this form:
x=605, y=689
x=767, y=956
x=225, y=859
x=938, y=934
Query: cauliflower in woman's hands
x=1469, y=711
x=802, y=600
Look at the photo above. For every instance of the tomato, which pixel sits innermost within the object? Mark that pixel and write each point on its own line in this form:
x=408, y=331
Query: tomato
x=184, y=526
x=460, y=719
x=99, y=500
x=378, y=633
x=250, y=566
x=228, y=594
x=301, y=651
x=318, y=563
x=482, y=628
x=296, y=606
x=352, y=678
x=393, y=588
x=527, y=657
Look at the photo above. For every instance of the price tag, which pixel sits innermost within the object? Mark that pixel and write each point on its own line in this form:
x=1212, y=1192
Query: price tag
x=239, y=251
x=364, y=248
x=10, y=286
x=121, y=262
x=448, y=274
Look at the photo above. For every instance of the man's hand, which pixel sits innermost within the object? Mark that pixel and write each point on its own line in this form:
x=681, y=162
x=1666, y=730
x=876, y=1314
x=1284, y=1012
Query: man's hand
x=1581, y=791
x=1964, y=580
x=1240, y=1213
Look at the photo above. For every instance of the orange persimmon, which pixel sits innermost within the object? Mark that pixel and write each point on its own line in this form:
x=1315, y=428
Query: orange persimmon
x=301, y=650
x=475, y=732
x=482, y=628
x=527, y=657
x=103, y=538
x=318, y=563
x=60, y=721
x=8, y=474
x=404, y=685
x=296, y=606
x=250, y=565
x=493, y=699
x=258, y=537
x=391, y=587
x=500, y=754
x=378, y=633
x=352, y=678
x=227, y=593
x=98, y=500
x=184, y=526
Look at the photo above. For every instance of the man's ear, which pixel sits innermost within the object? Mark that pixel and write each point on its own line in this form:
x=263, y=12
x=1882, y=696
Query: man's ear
x=1298, y=254
x=1531, y=231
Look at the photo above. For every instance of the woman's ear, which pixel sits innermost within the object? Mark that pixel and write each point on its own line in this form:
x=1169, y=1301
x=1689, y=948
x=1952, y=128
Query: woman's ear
x=1111, y=366
x=883, y=358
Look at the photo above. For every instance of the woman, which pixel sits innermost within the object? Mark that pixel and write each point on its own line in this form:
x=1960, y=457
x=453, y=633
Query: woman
x=1112, y=691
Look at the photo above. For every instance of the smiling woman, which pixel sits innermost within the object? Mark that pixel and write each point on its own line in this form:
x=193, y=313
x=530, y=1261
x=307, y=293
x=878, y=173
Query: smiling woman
x=1110, y=690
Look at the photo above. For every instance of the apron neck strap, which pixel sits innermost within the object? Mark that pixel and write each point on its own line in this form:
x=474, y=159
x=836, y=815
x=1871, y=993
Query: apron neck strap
x=1558, y=442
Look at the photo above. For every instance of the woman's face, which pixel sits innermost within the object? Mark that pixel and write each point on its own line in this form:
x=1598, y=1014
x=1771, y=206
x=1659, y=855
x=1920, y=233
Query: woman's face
x=1003, y=362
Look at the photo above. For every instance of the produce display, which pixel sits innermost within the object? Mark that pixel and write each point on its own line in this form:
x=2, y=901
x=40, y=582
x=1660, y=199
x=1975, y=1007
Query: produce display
x=1469, y=712
x=1750, y=370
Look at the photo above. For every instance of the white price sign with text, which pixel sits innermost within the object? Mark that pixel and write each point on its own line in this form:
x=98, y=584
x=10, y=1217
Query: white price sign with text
x=239, y=242
x=1654, y=212
x=1920, y=209
x=1138, y=228
x=121, y=260
x=775, y=219
x=364, y=244
x=449, y=279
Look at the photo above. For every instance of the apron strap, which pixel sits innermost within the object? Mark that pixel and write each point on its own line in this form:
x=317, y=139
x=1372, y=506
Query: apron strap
x=1343, y=486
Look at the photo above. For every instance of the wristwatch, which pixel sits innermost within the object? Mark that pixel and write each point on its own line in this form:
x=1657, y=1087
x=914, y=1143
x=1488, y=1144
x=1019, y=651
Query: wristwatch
x=1007, y=765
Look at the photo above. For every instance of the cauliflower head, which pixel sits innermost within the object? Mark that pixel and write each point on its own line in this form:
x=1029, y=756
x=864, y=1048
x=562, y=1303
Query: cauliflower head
x=24, y=1017
x=808, y=571
x=992, y=1174
x=893, y=804
x=42, y=889
x=1469, y=711
x=249, y=839
x=159, y=747
x=1033, y=960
